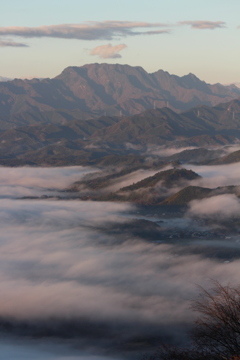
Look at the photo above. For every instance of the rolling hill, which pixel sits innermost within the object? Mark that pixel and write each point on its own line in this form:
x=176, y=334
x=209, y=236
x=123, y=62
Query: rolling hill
x=189, y=193
x=231, y=158
x=151, y=190
x=168, y=178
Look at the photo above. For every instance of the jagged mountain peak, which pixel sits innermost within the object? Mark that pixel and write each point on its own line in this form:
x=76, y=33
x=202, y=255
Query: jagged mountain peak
x=110, y=89
x=191, y=76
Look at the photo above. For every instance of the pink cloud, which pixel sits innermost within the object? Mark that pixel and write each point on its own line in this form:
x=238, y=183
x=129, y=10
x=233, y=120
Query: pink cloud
x=9, y=43
x=105, y=30
x=108, y=51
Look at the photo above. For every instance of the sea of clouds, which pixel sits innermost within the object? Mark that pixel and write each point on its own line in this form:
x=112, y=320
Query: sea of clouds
x=88, y=293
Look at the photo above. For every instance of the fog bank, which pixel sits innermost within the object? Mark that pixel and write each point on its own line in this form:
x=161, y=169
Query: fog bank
x=68, y=273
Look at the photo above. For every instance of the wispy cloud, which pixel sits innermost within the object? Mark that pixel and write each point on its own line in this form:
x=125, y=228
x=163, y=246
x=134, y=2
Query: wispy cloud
x=8, y=43
x=106, y=30
x=204, y=24
x=108, y=51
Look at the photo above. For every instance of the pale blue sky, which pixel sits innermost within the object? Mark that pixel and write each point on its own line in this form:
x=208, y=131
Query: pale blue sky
x=211, y=54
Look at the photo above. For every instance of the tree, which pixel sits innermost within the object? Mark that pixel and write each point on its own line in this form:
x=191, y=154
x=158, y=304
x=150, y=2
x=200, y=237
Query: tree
x=216, y=334
x=217, y=328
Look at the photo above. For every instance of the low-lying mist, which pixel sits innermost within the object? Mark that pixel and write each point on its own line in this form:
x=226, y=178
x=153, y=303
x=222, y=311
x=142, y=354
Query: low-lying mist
x=224, y=206
x=65, y=277
x=34, y=181
x=57, y=262
x=216, y=175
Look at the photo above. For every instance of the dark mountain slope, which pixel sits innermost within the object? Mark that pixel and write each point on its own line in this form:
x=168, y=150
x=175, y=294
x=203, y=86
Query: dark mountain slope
x=207, y=140
x=151, y=190
x=222, y=118
x=154, y=126
x=168, y=178
x=189, y=193
x=234, y=157
x=22, y=140
x=184, y=196
x=94, y=182
x=195, y=155
x=150, y=127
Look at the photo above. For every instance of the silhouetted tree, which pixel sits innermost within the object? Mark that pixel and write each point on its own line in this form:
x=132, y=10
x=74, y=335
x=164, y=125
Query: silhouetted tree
x=217, y=328
x=216, y=334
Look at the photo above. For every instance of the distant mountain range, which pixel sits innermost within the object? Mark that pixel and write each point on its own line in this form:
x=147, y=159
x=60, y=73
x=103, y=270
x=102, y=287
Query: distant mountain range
x=94, y=90
x=124, y=140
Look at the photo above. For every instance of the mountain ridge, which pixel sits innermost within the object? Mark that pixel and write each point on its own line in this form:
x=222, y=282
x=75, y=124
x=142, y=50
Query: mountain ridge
x=112, y=139
x=110, y=89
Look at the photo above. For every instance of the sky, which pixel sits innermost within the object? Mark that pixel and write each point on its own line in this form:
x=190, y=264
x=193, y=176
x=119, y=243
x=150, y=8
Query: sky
x=42, y=37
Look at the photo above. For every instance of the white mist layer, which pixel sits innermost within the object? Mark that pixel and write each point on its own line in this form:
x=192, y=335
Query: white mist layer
x=55, y=262
x=34, y=181
x=225, y=206
x=216, y=175
x=57, y=259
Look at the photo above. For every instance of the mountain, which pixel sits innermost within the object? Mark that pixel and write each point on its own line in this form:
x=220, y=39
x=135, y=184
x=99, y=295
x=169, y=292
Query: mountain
x=207, y=140
x=94, y=182
x=184, y=196
x=231, y=158
x=122, y=141
x=161, y=125
x=189, y=193
x=168, y=178
x=152, y=190
x=97, y=89
x=195, y=155
x=53, y=144
x=156, y=196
